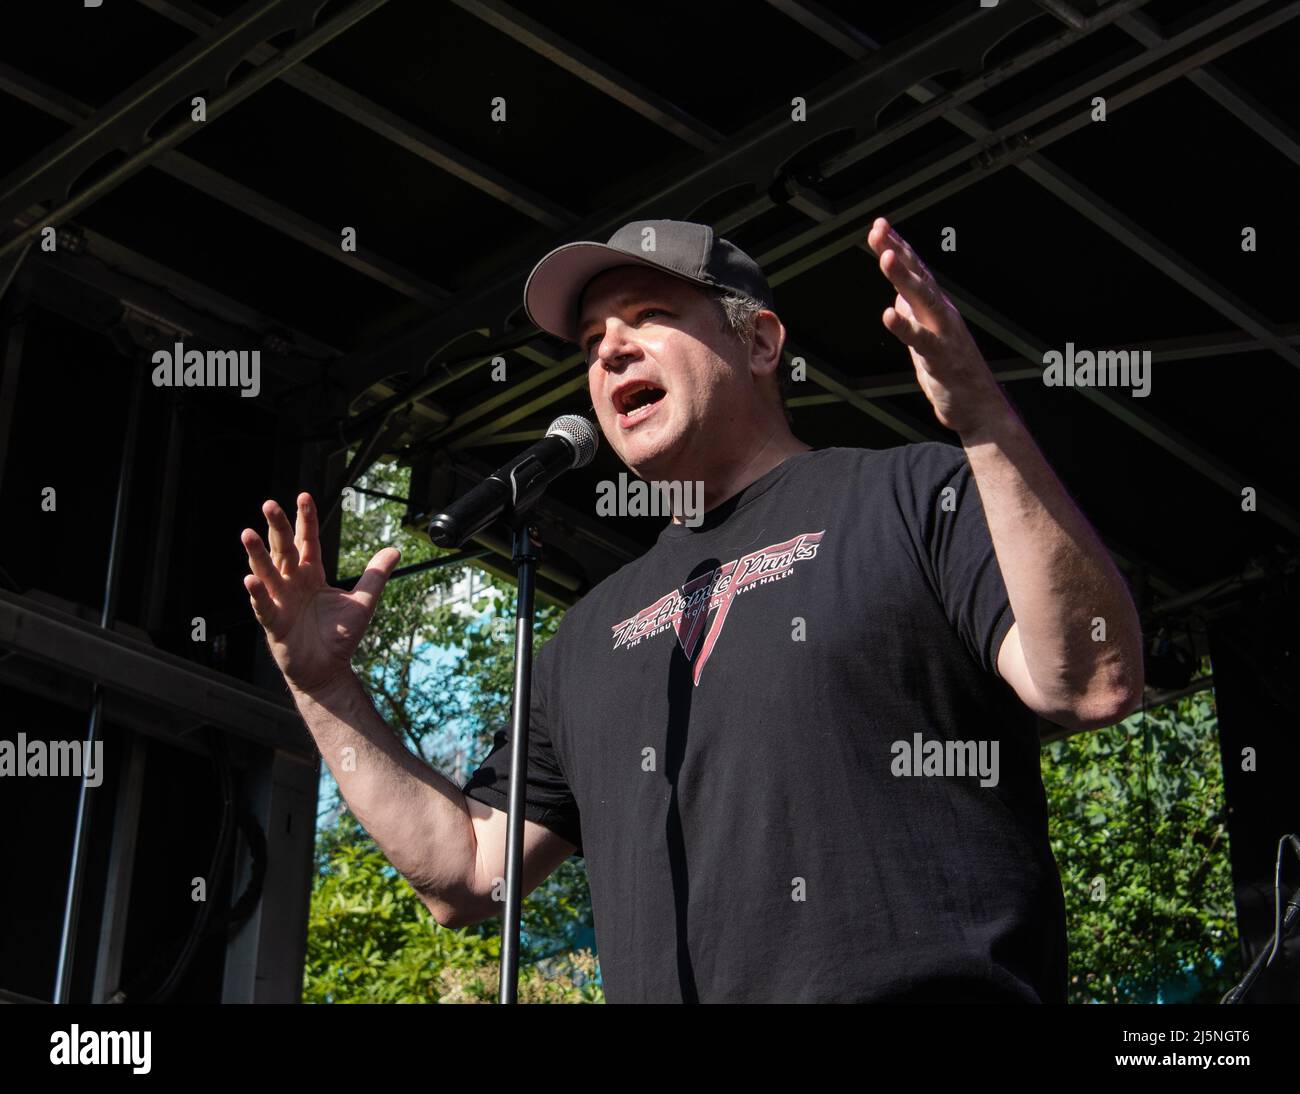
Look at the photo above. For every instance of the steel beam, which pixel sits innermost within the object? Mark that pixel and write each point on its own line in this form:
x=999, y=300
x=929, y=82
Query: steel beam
x=1010, y=370
x=452, y=437
x=123, y=125
x=384, y=123
x=1136, y=239
x=829, y=27
x=135, y=668
x=363, y=364
x=151, y=289
x=801, y=250
x=592, y=70
x=14, y=338
x=1244, y=108
x=836, y=383
x=9, y=267
x=751, y=158
x=241, y=198
x=1182, y=448
x=1173, y=265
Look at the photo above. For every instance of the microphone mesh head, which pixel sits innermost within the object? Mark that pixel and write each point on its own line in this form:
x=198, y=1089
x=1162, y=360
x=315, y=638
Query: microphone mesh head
x=578, y=432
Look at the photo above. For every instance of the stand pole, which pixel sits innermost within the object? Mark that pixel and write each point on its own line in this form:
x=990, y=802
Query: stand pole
x=527, y=551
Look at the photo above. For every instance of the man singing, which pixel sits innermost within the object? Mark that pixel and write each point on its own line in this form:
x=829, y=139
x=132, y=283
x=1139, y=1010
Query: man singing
x=795, y=740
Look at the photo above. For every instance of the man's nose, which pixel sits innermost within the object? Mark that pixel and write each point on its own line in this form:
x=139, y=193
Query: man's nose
x=615, y=344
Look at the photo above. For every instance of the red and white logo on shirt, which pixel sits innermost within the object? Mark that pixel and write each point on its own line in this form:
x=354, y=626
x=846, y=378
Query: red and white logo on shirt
x=708, y=598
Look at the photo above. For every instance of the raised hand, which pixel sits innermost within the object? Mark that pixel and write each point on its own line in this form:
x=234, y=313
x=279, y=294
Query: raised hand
x=311, y=628
x=949, y=366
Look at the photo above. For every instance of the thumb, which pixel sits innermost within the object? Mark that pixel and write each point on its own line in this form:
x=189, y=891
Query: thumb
x=372, y=582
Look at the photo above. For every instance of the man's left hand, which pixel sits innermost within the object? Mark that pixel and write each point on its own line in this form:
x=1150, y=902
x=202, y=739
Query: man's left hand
x=949, y=366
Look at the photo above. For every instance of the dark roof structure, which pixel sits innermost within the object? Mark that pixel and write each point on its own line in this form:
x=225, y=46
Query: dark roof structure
x=1124, y=233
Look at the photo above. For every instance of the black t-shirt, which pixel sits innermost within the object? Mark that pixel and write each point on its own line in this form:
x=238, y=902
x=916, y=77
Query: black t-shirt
x=755, y=734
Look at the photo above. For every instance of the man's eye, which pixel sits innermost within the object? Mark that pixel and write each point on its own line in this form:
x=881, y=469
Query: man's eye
x=595, y=339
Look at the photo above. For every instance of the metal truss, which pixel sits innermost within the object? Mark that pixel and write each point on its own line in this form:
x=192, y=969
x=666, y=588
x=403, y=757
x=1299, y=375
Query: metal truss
x=1059, y=183
x=477, y=308
x=123, y=127
x=593, y=71
x=347, y=102
x=137, y=670
x=745, y=162
x=241, y=198
x=851, y=101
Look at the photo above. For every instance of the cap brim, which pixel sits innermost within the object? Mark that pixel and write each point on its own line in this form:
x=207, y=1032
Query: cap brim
x=552, y=290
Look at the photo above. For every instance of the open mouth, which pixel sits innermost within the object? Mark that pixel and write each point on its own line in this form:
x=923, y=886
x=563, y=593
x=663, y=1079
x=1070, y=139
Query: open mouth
x=637, y=401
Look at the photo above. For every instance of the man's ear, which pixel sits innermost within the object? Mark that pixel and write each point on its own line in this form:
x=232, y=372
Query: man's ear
x=769, y=339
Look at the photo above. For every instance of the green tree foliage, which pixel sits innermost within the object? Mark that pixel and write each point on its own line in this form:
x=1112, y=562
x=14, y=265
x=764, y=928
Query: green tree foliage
x=417, y=704
x=370, y=939
x=1136, y=814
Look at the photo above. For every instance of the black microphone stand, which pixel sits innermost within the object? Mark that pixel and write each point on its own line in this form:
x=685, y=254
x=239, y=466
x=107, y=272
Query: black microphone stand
x=509, y=496
x=527, y=551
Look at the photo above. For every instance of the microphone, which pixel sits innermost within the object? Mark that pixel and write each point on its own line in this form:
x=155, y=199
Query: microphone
x=571, y=441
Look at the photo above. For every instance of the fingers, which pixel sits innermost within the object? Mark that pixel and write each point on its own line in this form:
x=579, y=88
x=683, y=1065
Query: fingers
x=919, y=289
x=372, y=582
x=908, y=274
x=882, y=237
x=283, y=552
x=920, y=293
x=264, y=607
x=907, y=330
x=260, y=562
x=307, y=533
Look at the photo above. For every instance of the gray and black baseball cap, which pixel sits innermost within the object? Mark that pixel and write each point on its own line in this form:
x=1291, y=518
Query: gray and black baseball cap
x=679, y=247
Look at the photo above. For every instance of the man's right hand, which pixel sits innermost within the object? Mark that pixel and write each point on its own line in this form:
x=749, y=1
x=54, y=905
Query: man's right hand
x=311, y=628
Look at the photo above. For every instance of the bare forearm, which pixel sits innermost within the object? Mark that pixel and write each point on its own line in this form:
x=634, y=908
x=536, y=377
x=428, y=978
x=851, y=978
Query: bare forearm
x=417, y=816
x=1077, y=624
x=1062, y=585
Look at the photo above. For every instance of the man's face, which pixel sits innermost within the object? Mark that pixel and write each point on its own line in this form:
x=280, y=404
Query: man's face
x=661, y=384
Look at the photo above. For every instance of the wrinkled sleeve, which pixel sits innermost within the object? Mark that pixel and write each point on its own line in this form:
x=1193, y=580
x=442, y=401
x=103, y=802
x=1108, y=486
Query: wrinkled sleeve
x=548, y=800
